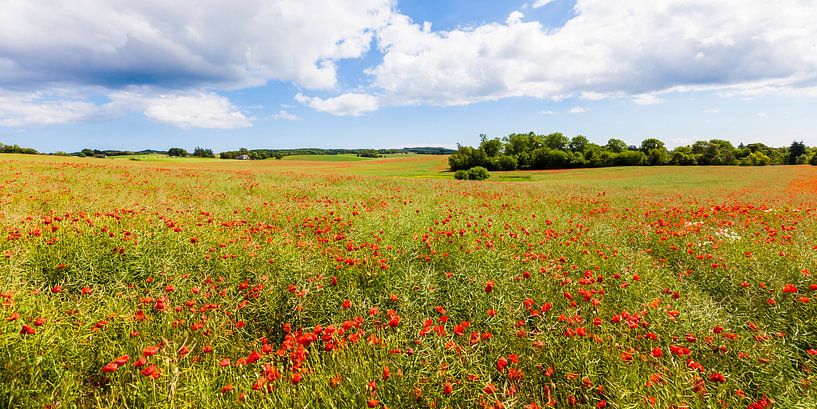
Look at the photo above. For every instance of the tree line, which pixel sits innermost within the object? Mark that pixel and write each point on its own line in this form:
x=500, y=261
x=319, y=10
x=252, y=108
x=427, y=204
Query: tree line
x=556, y=151
x=367, y=153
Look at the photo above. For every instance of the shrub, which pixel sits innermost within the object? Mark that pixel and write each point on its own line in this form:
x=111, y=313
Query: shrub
x=475, y=173
x=478, y=173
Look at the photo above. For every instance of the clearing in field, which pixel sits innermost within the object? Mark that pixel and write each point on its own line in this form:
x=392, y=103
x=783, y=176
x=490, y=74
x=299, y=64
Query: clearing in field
x=304, y=283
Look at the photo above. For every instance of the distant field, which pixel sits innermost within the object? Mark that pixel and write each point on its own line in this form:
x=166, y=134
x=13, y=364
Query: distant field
x=178, y=282
x=326, y=158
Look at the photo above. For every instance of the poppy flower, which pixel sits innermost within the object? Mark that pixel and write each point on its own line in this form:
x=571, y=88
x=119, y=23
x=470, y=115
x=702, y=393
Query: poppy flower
x=489, y=286
x=150, y=351
x=447, y=388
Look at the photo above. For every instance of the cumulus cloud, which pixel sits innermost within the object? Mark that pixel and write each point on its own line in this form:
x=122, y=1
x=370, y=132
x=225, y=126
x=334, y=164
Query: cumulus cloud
x=184, y=42
x=202, y=111
x=171, y=51
x=608, y=49
x=354, y=104
x=21, y=109
x=188, y=110
x=577, y=110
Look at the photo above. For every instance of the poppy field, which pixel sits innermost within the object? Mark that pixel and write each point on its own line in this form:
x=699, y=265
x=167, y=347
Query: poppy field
x=263, y=284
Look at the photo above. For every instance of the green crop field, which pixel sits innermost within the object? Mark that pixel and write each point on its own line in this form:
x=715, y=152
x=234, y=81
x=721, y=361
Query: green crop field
x=190, y=283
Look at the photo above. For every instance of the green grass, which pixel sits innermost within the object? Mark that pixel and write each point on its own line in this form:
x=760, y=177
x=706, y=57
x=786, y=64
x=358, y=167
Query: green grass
x=327, y=158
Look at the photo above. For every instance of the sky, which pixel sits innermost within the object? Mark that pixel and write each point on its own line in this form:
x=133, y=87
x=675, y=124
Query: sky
x=154, y=74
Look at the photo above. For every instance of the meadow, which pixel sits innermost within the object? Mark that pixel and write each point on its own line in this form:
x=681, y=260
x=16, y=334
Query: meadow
x=381, y=283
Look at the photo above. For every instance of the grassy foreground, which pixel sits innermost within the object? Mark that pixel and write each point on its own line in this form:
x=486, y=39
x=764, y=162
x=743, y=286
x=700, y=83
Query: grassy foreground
x=294, y=283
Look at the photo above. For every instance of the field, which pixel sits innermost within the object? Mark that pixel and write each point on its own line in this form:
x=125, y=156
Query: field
x=386, y=283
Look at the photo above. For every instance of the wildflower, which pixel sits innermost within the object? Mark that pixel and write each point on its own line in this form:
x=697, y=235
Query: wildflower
x=489, y=286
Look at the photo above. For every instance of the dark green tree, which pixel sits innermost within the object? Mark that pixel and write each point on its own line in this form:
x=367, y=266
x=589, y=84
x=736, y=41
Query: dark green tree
x=176, y=152
x=796, y=149
x=203, y=153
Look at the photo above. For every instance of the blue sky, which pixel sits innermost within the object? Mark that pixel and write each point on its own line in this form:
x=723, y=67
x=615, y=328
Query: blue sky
x=385, y=73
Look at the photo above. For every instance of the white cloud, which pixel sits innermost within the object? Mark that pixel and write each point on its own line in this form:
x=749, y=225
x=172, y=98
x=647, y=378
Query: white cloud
x=541, y=3
x=577, y=110
x=609, y=49
x=21, y=109
x=188, y=110
x=548, y=112
x=647, y=99
x=514, y=18
x=712, y=111
x=284, y=115
x=157, y=42
x=351, y=104
x=203, y=110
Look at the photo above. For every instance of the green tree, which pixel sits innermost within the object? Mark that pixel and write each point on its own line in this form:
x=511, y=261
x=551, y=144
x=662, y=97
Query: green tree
x=616, y=145
x=579, y=143
x=176, y=152
x=657, y=156
x=556, y=141
x=492, y=147
x=651, y=143
x=795, y=151
x=630, y=158
x=506, y=162
x=203, y=153
x=683, y=156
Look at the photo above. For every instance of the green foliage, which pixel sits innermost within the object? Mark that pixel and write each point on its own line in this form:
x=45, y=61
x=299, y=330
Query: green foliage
x=369, y=153
x=657, y=156
x=556, y=141
x=478, y=173
x=506, y=162
x=17, y=149
x=630, y=158
x=796, y=150
x=492, y=147
x=203, y=153
x=579, y=143
x=650, y=144
x=475, y=173
x=616, y=145
x=555, y=151
x=177, y=152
